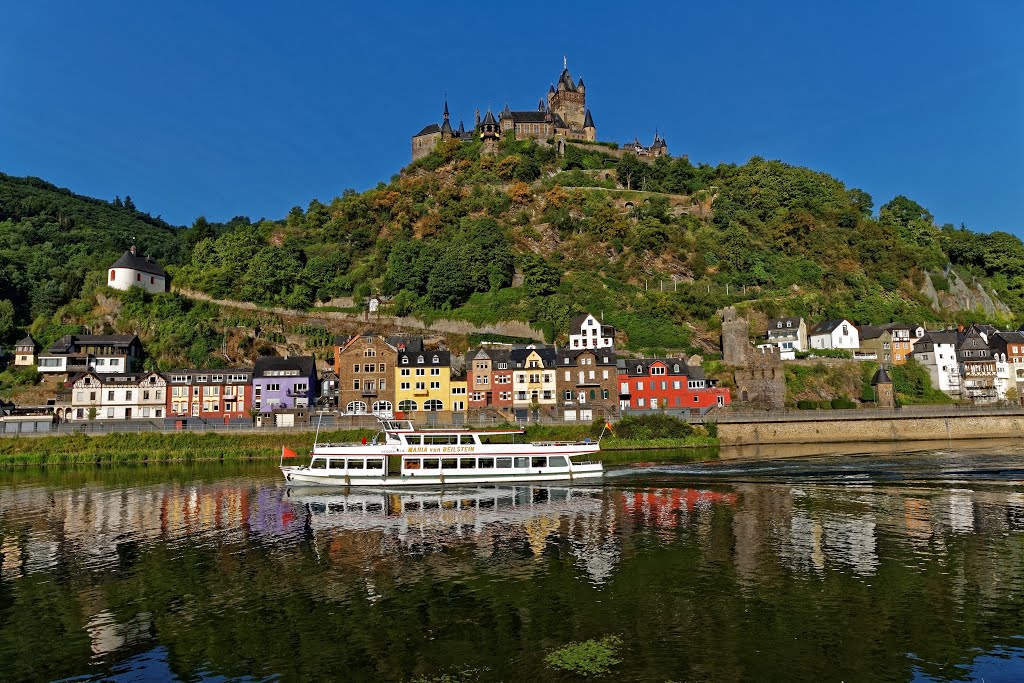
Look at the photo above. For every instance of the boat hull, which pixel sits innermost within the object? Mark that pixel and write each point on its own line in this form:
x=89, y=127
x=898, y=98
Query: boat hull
x=302, y=476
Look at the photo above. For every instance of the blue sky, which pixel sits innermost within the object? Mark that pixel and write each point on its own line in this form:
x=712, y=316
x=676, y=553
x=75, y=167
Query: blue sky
x=232, y=108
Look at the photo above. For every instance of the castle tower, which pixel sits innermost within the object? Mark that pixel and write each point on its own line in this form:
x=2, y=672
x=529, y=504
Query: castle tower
x=589, y=130
x=735, y=338
x=568, y=100
x=489, y=127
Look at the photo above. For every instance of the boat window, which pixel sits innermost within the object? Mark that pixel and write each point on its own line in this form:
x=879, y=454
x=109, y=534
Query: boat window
x=522, y=462
x=558, y=461
x=539, y=461
x=413, y=439
x=410, y=506
x=338, y=464
x=431, y=505
x=441, y=439
x=318, y=464
x=317, y=507
x=504, y=463
x=431, y=463
x=356, y=464
x=375, y=464
x=486, y=463
x=449, y=463
x=374, y=507
x=412, y=463
x=467, y=463
x=467, y=440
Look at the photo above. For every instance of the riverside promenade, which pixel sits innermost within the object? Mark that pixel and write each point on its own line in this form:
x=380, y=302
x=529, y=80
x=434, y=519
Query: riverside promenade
x=907, y=424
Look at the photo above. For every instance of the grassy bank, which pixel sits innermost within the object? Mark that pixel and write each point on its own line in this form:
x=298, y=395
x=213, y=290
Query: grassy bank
x=156, y=447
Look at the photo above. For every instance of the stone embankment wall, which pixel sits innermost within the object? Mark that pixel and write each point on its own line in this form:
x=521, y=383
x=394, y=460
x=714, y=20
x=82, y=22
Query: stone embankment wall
x=825, y=431
x=507, y=328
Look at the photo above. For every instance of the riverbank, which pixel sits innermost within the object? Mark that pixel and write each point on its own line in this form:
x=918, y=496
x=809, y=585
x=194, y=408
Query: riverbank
x=156, y=447
x=896, y=427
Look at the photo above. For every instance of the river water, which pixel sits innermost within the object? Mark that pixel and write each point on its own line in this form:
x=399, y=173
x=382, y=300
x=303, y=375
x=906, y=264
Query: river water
x=898, y=567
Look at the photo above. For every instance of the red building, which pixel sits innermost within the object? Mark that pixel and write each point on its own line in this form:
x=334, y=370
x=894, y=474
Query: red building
x=489, y=377
x=666, y=384
x=210, y=395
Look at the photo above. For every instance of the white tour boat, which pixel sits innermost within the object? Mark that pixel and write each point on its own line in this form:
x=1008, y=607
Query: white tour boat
x=440, y=457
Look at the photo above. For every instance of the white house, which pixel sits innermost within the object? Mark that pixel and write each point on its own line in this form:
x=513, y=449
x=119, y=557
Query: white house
x=789, y=334
x=835, y=334
x=111, y=353
x=134, y=270
x=586, y=332
x=936, y=351
x=117, y=397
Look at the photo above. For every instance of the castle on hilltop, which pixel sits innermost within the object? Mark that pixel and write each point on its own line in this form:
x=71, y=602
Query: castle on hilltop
x=561, y=115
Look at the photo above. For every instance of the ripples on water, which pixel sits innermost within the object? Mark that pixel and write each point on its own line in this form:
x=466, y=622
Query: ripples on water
x=892, y=568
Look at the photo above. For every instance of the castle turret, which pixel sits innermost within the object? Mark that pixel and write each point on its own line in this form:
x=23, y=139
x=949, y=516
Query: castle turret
x=568, y=100
x=489, y=127
x=446, y=125
x=589, y=130
x=476, y=122
x=580, y=87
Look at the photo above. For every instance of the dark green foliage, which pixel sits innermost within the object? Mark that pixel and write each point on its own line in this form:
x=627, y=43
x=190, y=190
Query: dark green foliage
x=652, y=426
x=51, y=238
x=912, y=384
x=842, y=403
x=807, y=405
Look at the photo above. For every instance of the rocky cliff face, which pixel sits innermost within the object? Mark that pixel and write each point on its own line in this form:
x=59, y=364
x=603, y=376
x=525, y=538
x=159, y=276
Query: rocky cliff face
x=963, y=296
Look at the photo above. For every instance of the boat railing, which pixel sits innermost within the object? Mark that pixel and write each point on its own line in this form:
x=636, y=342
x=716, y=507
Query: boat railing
x=587, y=442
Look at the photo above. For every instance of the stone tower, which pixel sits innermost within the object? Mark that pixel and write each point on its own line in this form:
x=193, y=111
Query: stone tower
x=884, y=396
x=568, y=99
x=735, y=338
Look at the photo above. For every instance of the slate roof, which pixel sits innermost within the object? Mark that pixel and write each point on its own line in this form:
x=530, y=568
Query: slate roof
x=432, y=128
x=489, y=119
x=306, y=365
x=588, y=120
x=641, y=367
x=776, y=324
x=881, y=377
x=410, y=344
x=569, y=358
x=525, y=116
x=871, y=331
x=69, y=342
x=566, y=79
x=548, y=355
x=27, y=341
x=145, y=264
x=424, y=359
x=828, y=326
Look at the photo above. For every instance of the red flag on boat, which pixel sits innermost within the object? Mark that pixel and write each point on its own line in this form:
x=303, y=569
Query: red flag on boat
x=288, y=453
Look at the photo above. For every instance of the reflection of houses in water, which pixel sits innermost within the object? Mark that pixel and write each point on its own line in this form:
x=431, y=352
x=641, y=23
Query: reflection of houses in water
x=961, y=513
x=107, y=635
x=99, y=525
x=668, y=507
x=486, y=516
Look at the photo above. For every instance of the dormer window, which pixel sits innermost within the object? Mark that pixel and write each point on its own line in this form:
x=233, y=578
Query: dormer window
x=779, y=324
x=640, y=368
x=419, y=359
x=435, y=360
x=789, y=323
x=405, y=360
x=675, y=368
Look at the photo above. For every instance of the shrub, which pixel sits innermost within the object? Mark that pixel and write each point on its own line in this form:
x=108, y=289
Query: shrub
x=653, y=426
x=587, y=658
x=807, y=405
x=842, y=403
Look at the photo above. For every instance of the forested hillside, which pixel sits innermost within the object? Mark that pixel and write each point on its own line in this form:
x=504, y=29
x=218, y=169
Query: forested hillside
x=51, y=240
x=657, y=248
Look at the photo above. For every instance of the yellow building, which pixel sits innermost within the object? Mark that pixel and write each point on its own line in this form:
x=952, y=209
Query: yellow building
x=459, y=390
x=423, y=382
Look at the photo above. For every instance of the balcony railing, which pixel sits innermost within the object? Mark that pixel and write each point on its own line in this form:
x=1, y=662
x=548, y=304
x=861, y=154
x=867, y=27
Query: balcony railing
x=369, y=392
x=297, y=393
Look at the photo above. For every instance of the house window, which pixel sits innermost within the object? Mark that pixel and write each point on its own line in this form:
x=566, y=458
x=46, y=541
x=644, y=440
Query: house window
x=111, y=275
x=369, y=353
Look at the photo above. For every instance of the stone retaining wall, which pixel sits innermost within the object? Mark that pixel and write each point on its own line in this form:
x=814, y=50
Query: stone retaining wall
x=967, y=427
